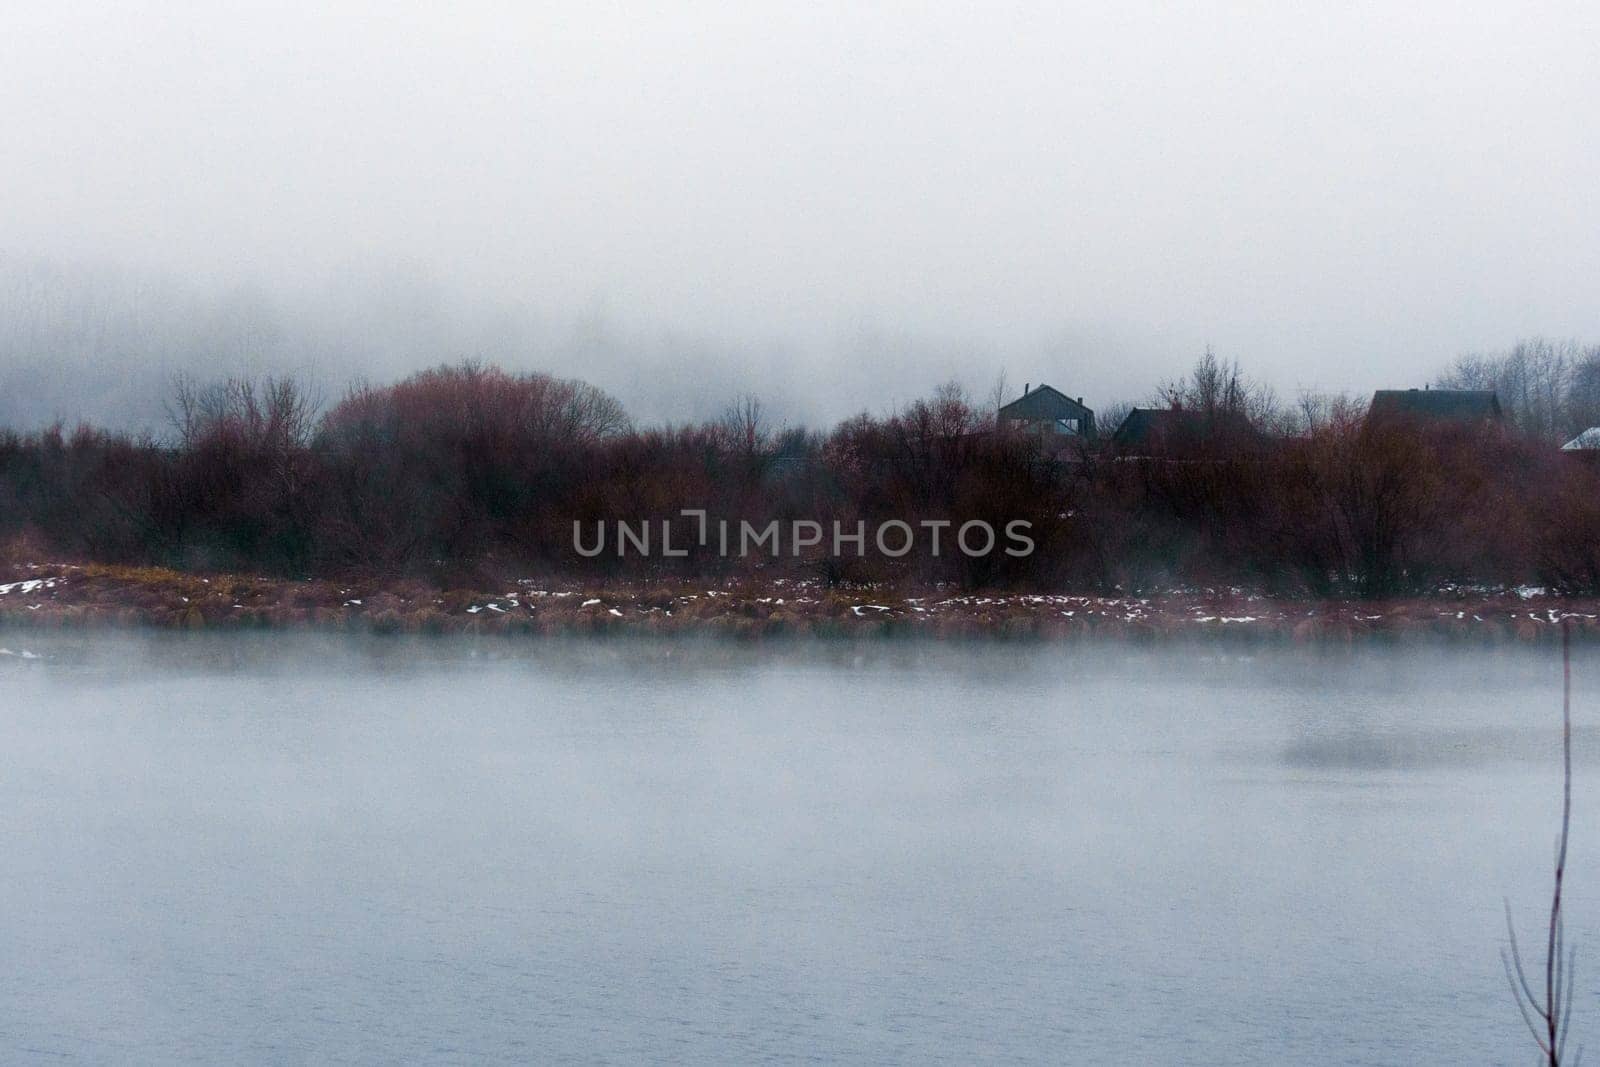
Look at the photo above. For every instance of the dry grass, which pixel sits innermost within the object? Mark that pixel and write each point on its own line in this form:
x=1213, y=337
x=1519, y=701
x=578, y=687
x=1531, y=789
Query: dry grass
x=95, y=595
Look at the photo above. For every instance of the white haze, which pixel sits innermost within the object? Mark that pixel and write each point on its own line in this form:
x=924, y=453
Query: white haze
x=834, y=205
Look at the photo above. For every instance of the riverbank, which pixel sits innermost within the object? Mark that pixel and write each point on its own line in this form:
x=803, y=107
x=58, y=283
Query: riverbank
x=74, y=596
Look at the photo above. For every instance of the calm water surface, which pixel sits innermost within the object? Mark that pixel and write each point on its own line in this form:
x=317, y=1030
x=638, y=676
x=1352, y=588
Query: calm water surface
x=281, y=850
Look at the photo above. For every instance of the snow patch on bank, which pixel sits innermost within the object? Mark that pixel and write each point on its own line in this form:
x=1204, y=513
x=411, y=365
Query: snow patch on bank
x=29, y=585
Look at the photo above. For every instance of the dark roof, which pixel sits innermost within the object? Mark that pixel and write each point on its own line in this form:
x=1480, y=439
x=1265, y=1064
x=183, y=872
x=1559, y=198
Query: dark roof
x=1045, y=402
x=1463, y=405
x=1173, y=431
x=1156, y=426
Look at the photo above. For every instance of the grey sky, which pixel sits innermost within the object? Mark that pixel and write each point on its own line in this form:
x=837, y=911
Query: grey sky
x=844, y=203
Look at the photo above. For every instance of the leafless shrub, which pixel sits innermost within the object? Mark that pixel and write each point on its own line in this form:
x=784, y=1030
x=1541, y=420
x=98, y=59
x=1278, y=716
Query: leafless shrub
x=1221, y=392
x=274, y=414
x=1549, y=1017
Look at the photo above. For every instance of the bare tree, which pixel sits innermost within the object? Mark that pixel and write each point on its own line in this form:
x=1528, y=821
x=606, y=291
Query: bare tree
x=999, y=393
x=1109, y=418
x=1583, y=391
x=952, y=408
x=276, y=413
x=1549, y=1019
x=744, y=426
x=1549, y=389
x=1221, y=392
x=1315, y=411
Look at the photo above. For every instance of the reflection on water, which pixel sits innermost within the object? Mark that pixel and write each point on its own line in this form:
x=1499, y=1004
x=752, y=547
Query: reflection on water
x=268, y=849
x=1355, y=747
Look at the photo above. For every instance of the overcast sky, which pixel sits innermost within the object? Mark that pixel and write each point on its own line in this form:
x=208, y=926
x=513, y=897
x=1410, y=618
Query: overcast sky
x=839, y=203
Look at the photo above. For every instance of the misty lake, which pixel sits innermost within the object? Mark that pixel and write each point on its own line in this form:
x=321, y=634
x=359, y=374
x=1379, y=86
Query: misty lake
x=290, y=849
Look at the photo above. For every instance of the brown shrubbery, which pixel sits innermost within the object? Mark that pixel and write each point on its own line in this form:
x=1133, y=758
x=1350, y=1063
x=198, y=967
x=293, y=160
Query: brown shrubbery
x=468, y=475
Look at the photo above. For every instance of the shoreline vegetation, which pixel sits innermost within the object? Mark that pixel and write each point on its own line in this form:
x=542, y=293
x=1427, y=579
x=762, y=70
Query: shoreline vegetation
x=94, y=597
x=423, y=505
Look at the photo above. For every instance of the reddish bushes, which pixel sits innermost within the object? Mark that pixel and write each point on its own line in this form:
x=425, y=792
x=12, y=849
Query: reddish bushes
x=1348, y=509
x=454, y=464
x=467, y=474
x=1566, y=525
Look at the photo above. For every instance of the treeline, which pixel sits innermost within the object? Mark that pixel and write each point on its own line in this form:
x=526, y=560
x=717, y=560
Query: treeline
x=467, y=475
x=1549, y=389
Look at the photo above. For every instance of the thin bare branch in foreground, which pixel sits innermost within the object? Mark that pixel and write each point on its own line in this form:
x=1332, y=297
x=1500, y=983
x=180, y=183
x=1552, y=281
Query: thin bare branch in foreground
x=1549, y=1019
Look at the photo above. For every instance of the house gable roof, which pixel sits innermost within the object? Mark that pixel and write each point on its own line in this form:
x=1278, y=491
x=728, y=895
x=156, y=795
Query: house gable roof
x=1172, y=431
x=1149, y=426
x=1456, y=404
x=1045, y=402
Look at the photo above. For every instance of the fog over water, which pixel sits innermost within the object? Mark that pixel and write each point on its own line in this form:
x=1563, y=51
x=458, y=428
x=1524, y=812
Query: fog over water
x=282, y=849
x=838, y=205
x=251, y=849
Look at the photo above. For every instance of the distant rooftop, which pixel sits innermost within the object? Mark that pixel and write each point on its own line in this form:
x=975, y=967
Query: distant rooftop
x=1043, y=399
x=1176, y=430
x=1155, y=426
x=1046, y=405
x=1463, y=405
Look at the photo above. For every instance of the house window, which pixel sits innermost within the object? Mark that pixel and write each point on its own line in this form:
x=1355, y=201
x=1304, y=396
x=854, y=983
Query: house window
x=1067, y=426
